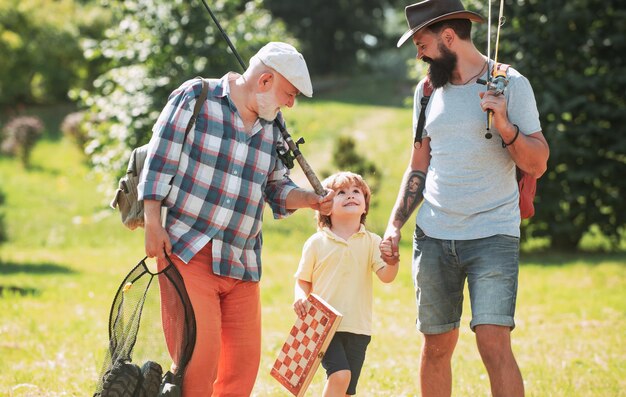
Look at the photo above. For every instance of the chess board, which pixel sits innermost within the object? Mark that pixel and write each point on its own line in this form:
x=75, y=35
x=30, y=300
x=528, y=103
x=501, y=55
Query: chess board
x=306, y=344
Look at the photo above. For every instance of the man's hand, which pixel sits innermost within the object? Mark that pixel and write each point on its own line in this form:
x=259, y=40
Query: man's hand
x=393, y=235
x=497, y=104
x=323, y=204
x=157, y=241
x=387, y=253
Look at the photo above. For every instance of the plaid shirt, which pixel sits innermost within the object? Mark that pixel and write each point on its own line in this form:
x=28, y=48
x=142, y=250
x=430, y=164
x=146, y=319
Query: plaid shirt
x=216, y=189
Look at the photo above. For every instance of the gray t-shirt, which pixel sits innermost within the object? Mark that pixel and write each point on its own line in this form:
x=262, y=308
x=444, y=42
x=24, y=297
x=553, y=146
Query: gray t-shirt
x=471, y=191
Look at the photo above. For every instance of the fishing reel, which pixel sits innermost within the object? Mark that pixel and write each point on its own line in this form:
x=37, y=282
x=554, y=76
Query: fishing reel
x=497, y=83
x=287, y=155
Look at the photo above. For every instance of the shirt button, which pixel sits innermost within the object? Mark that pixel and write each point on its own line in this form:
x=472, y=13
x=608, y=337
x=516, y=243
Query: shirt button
x=236, y=172
x=228, y=201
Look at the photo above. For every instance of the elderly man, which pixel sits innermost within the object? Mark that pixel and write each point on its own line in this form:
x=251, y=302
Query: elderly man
x=468, y=225
x=214, y=184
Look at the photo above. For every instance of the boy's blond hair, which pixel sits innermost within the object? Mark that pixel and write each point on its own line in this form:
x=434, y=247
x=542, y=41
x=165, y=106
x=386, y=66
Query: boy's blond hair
x=336, y=182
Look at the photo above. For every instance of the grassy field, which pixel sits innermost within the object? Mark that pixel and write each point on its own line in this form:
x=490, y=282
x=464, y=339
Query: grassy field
x=68, y=253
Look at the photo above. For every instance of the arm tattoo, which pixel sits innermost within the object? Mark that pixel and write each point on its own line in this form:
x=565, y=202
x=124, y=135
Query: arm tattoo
x=412, y=194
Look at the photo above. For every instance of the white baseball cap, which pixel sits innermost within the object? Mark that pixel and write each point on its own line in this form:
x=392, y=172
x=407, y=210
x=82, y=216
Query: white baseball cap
x=287, y=61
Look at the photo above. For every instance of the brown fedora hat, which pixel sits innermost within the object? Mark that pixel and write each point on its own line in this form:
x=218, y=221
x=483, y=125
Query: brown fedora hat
x=427, y=12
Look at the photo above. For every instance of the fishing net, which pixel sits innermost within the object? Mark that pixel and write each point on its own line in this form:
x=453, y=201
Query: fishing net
x=137, y=322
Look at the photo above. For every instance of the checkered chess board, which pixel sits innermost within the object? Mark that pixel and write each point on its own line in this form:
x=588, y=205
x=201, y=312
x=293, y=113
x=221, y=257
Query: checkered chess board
x=306, y=344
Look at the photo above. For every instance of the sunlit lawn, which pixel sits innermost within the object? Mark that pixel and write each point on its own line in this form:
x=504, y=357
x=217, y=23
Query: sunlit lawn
x=68, y=253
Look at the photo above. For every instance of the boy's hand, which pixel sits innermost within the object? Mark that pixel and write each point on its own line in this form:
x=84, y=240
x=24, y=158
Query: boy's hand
x=301, y=306
x=386, y=252
x=393, y=234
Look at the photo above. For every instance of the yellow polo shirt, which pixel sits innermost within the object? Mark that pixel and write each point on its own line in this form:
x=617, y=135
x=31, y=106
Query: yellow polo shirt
x=341, y=273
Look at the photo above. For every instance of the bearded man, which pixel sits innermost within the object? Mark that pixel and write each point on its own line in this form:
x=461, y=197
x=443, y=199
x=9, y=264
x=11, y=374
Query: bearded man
x=467, y=227
x=215, y=182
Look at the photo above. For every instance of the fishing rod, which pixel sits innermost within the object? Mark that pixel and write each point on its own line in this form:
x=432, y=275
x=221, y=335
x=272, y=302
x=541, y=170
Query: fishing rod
x=496, y=78
x=294, y=151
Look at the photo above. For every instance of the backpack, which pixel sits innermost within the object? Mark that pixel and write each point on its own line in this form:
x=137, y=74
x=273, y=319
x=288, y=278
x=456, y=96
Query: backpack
x=126, y=195
x=526, y=183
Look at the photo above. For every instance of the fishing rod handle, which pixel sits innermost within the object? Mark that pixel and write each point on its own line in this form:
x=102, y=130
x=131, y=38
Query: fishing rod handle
x=310, y=175
x=306, y=168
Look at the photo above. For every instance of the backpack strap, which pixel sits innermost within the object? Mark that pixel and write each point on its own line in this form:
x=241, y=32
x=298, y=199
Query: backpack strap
x=500, y=69
x=198, y=105
x=427, y=91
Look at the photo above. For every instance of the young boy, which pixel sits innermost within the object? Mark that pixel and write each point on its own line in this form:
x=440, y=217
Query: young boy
x=337, y=264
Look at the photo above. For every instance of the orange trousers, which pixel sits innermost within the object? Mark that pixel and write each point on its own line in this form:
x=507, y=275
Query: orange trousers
x=226, y=357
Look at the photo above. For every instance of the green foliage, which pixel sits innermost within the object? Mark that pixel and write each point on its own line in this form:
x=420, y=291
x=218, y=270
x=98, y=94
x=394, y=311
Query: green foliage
x=576, y=62
x=20, y=136
x=347, y=158
x=155, y=46
x=40, y=55
x=3, y=230
x=336, y=35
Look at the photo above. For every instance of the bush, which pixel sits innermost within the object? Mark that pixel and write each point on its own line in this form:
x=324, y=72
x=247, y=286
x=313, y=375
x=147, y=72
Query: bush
x=72, y=126
x=20, y=136
x=3, y=232
x=346, y=158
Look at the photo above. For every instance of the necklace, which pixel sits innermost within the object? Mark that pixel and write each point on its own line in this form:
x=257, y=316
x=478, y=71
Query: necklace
x=476, y=75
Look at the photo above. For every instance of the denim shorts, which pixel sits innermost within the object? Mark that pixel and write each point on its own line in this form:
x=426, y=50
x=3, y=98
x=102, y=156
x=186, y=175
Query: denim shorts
x=440, y=268
x=346, y=351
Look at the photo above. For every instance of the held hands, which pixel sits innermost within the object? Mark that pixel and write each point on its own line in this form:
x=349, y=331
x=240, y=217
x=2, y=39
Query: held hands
x=387, y=252
x=392, y=235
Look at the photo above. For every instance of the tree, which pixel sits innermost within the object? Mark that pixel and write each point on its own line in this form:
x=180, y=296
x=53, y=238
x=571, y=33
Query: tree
x=576, y=61
x=156, y=45
x=335, y=33
x=40, y=55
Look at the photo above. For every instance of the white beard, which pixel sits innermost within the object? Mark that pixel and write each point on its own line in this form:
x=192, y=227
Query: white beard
x=268, y=108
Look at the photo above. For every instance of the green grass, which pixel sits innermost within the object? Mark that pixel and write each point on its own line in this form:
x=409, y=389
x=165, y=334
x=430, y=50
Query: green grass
x=68, y=253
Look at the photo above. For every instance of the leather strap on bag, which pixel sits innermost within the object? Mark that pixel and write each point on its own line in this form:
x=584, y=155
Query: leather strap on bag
x=427, y=89
x=198, y=105
x=190, y=124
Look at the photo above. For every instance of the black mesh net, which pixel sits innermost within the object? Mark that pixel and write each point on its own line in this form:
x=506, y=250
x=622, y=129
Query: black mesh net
x=151, y=322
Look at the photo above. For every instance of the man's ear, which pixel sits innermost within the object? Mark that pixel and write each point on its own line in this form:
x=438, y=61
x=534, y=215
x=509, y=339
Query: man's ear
x=265, y=81
x=447, y=36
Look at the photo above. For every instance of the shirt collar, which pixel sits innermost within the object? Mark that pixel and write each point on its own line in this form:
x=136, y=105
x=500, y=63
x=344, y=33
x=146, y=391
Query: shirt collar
x=222, y=89
x=326, y=230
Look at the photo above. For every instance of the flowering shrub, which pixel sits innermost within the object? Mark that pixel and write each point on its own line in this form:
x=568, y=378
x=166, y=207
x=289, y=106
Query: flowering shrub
x=20, y=136
x=156, y=46
x=72, y=127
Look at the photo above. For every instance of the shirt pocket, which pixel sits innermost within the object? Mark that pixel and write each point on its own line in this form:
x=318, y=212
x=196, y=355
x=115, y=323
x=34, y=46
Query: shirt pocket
x=208, y=143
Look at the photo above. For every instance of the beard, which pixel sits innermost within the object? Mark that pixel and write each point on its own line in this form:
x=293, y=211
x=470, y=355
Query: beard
x=440, y=69
x=268, y=108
